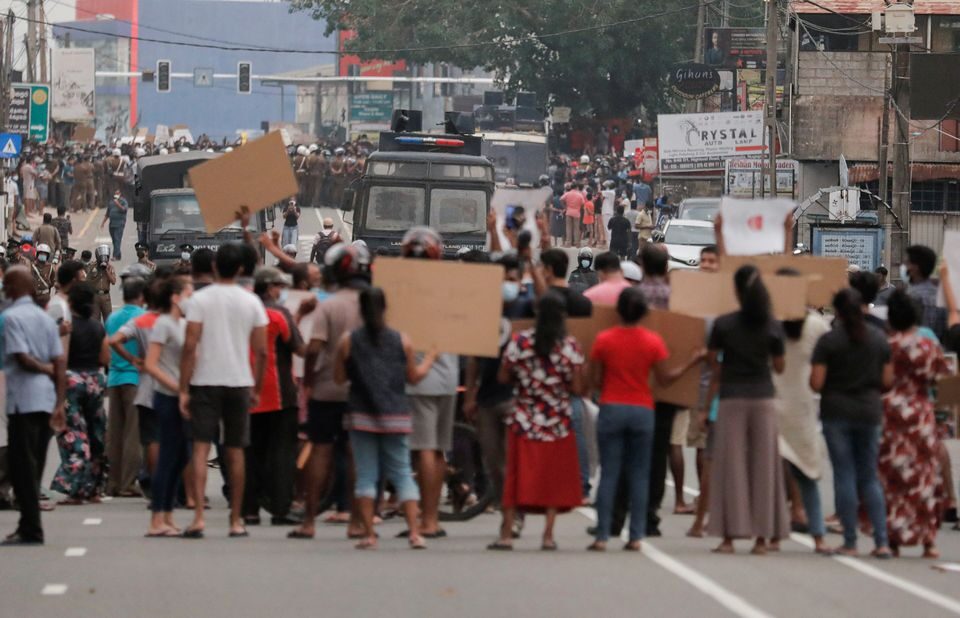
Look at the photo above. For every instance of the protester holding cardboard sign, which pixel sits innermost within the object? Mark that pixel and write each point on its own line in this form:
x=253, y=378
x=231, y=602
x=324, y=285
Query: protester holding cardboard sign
x=622, y=359
x=755, y=227
x=747, y=495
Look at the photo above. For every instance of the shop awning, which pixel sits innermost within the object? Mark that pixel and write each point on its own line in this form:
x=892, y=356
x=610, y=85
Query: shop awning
x=869, y=172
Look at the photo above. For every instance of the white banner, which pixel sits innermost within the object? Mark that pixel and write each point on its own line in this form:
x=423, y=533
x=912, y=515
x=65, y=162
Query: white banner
x=73, y=85
x=695, y=142
x=951, y=255
x=755, y=227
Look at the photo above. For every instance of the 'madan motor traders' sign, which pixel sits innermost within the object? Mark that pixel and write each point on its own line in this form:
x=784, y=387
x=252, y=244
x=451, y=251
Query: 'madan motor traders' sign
x=703, y=142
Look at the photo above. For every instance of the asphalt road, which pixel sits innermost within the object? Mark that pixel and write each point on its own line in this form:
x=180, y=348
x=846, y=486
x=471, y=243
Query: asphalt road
x=97, y=563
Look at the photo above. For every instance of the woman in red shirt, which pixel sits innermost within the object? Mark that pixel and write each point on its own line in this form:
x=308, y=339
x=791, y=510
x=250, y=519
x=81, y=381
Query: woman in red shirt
x=621, y=360
x=589, y=219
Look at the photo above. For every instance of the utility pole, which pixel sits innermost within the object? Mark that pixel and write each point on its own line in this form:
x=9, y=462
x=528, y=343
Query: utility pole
x=44, y=55
x=883, y=157
x=899, y=237
x=773, y=43
x=698, y=50
x=31, y=40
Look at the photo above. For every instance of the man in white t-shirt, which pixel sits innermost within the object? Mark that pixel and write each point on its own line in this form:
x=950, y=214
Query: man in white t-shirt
x=226, y=329
x=607, y=208
x=58, y=308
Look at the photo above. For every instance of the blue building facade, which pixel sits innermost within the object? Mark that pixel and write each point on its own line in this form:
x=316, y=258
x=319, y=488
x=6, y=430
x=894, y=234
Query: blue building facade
x=217, y=110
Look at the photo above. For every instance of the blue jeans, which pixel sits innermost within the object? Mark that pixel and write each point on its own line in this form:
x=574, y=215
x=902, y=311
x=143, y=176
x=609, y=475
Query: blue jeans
x=386, y=452
x=853, y=454
x=174, y=452
x=810, y=494
x=116, y=237
x=290, y=236
x=583, y=453
x=625, y=438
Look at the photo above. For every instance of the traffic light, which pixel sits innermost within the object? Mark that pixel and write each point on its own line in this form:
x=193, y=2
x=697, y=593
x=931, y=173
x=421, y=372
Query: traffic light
x=244, y=85
x=163, y=76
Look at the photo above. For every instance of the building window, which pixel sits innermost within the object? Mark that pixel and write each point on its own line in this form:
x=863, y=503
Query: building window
x=829, y=33
x=950, y=136
x=936, y=196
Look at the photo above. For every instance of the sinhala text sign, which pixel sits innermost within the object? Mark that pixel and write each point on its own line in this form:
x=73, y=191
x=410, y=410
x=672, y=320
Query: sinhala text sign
x=862, y=246
x=698, y=142
x=29, y=112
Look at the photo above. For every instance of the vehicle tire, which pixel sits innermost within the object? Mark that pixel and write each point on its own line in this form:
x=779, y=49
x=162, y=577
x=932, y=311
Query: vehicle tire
x=468, y=491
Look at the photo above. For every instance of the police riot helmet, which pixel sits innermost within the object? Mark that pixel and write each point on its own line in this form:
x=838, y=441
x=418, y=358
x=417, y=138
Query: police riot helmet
x=422, y=242
x=102, y=253
x=344, y=262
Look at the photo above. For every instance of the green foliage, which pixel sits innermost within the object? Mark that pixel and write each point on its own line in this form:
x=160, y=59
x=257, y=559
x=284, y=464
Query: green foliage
x=605, y=72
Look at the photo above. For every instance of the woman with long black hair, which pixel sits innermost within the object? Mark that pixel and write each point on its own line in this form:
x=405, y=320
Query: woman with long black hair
x=851, y=370
x=543, y=472
x=379, y=362
x=747, y=494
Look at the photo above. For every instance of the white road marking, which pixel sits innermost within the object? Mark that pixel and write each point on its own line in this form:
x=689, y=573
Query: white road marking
x=704, y=584
x=54, y=589
x=103, y=240
x=921, y=592
x=75, y=552
x=92, y=521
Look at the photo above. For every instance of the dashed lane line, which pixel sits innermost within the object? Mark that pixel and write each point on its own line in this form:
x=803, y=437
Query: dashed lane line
x=75, y=552
x=52, y=590
x=92, y=521
x=736, y=604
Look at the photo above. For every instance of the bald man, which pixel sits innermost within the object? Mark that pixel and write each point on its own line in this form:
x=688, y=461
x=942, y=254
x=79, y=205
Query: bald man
x=35, y=369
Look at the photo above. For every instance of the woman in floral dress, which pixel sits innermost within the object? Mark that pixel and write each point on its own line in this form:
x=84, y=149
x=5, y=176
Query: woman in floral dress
x=543, y=472
x=83, y=463
x=909, y=468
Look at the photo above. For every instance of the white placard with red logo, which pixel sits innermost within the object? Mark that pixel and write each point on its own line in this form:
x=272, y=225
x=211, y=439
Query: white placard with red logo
x=754, y=227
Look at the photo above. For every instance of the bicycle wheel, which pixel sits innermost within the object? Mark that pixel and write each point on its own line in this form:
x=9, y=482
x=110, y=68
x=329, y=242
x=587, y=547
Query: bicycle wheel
x=467, y=491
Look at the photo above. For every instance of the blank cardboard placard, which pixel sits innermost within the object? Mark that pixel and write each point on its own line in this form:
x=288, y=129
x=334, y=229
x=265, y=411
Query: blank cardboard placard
x=948, y=391
x=256, y=176
x=83, y=134
x=825, y=275
x=706, y=295
x=452, y=306
x=683, y=335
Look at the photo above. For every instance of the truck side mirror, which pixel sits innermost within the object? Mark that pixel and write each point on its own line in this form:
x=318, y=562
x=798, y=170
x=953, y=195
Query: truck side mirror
x=346, y=203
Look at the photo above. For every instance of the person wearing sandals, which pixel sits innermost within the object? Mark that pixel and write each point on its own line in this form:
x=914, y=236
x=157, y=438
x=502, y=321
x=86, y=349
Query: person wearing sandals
x=851, y=370
x=378, y=362
x=543, y=470
x=747, y=486
x=910, y=471
x=163, y=365
x=622, y=359
x=82, y=473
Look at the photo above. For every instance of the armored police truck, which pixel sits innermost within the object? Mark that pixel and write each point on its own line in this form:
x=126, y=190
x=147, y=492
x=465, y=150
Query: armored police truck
x=441, y=181
x=168, y=214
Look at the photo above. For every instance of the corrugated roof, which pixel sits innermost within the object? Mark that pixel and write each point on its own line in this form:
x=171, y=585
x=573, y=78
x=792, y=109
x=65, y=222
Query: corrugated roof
x=866, y=7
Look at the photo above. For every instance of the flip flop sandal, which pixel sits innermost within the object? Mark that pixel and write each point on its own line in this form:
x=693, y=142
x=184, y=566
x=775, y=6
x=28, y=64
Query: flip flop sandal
x=417, y=544
x=297, y=534
x=166, y=534
x=238, y=535
x=439, y=534
x=357, y=537
x=498, y=546
x=596, y=548
x=366, y=545
x=548, y=547
x=192, y=534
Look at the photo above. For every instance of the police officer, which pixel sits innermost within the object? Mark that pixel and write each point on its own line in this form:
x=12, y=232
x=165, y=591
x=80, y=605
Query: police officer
x=84, y=187
x=300, y=170
x=44, y=273
x=316, y=170
x=101, y=275
x=584, y=276
x=143, y=257
x=186, y=252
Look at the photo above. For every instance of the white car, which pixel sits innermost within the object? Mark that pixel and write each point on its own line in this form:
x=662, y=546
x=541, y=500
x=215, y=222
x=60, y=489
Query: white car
x=683, y=240
x=699, y=208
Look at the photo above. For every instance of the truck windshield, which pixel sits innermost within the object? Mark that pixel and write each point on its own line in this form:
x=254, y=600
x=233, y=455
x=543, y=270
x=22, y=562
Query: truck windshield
x=181, y=213
x=392, y=209
x=458, y=211
x=176, y=212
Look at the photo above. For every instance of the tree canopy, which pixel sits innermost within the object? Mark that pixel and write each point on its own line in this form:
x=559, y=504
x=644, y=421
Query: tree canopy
x=572, y=61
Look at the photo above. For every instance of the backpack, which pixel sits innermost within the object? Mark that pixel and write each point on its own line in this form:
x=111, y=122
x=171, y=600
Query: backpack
x=322, y=244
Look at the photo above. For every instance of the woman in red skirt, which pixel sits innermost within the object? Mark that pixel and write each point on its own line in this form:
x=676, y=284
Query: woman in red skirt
x=543, y=474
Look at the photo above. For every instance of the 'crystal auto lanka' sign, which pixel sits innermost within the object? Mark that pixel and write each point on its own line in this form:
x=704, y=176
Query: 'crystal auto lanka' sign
x=703, y=142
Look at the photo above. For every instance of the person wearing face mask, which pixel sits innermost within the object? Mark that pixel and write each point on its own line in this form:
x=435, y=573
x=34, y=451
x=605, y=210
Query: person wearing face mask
x=43, y=274
x=101, y=275
x=270, y=458
x=117, y=216
x=143, y=256
x=584, y=276
x=48, y=234
x=186, y=255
